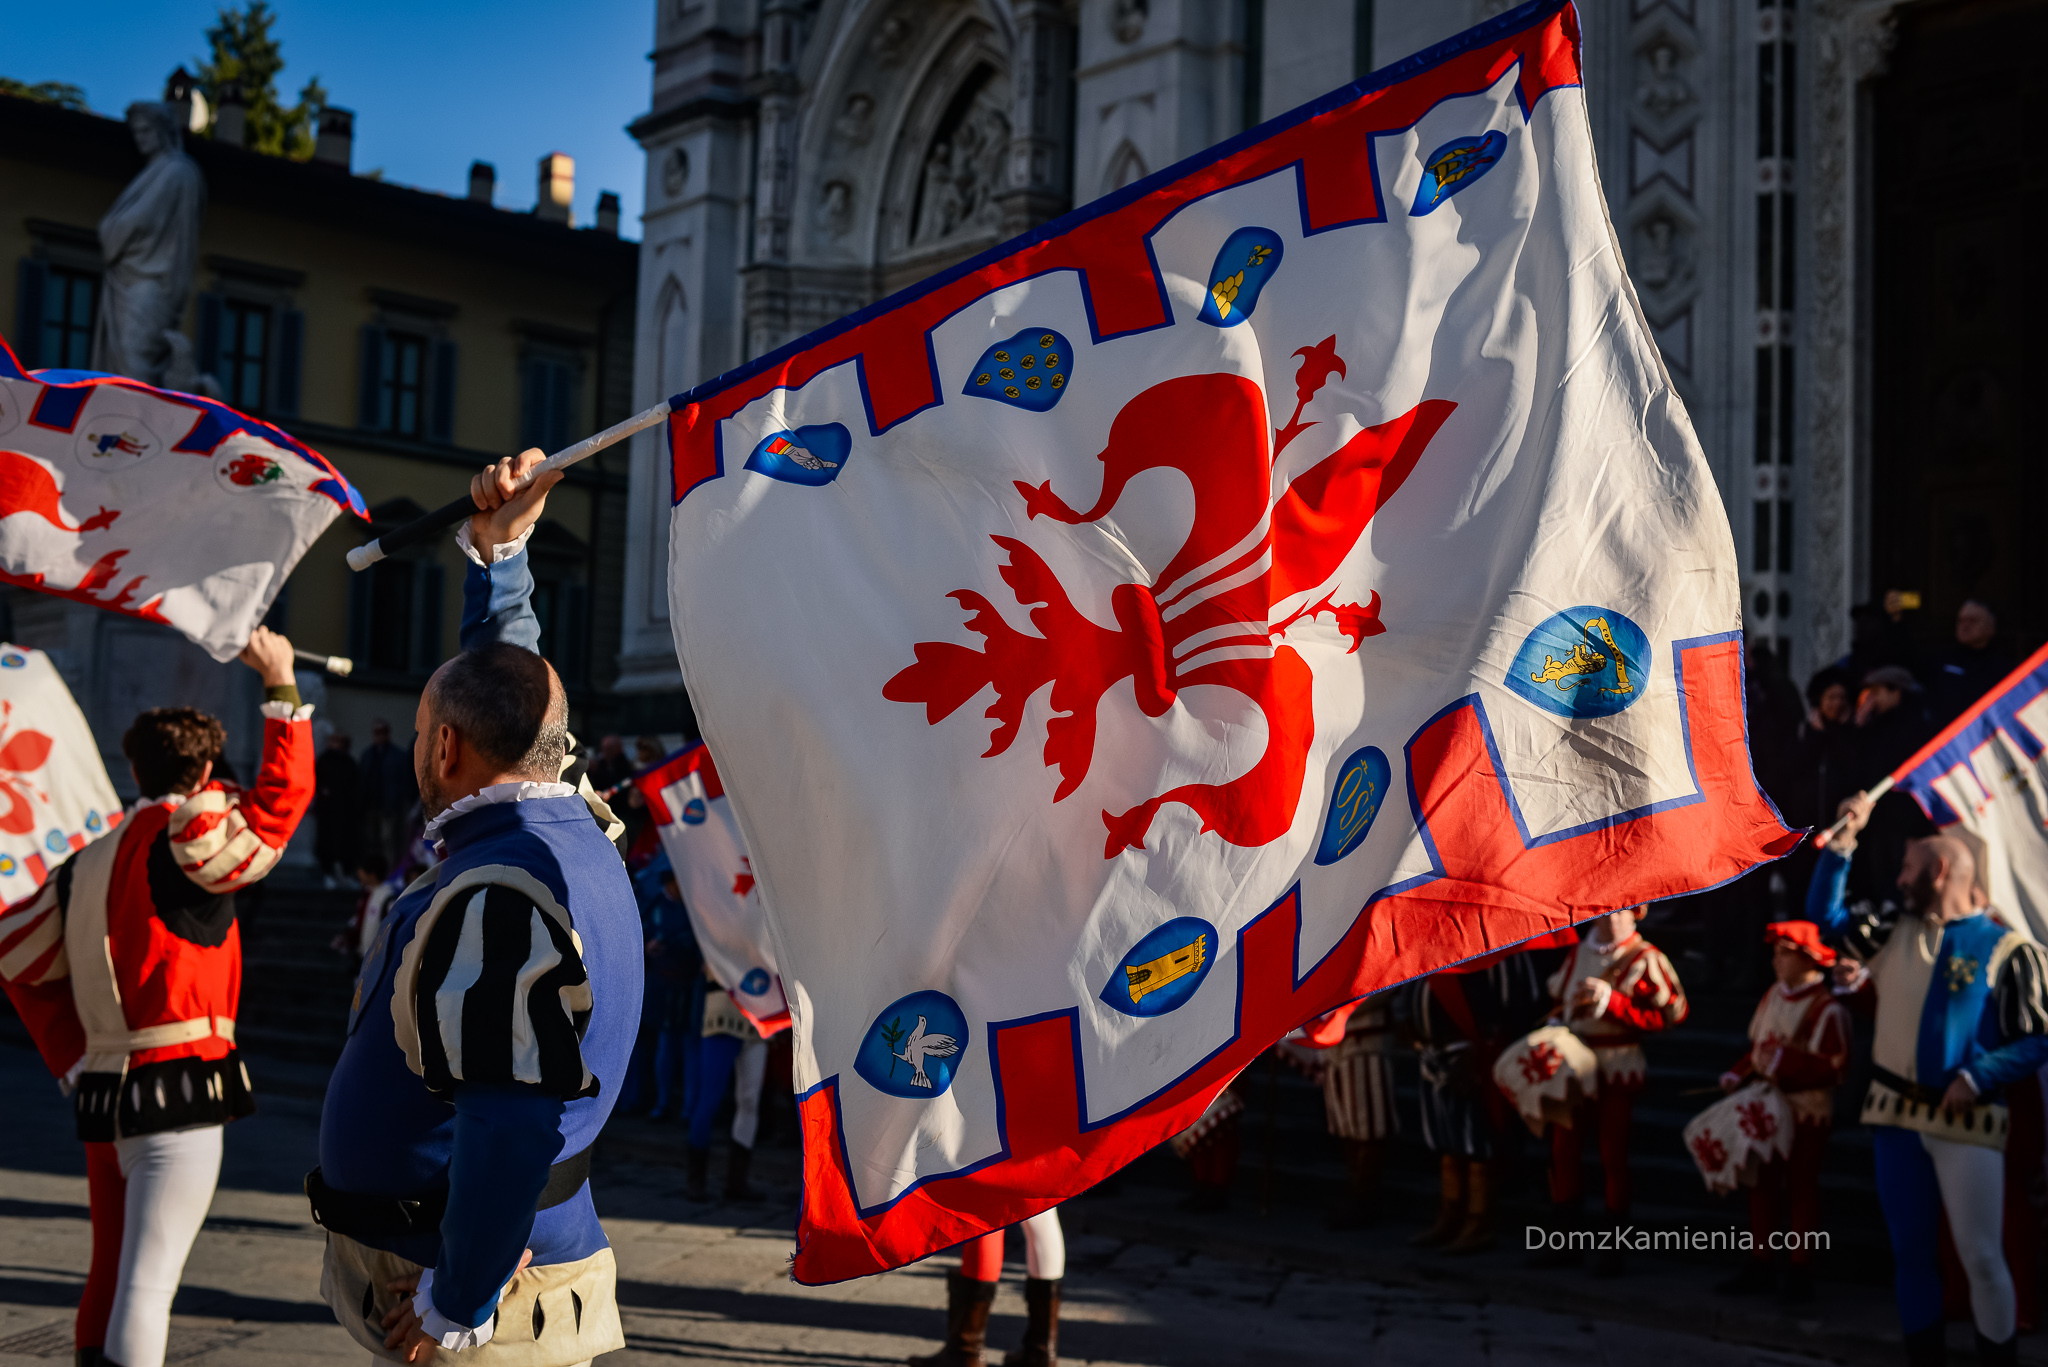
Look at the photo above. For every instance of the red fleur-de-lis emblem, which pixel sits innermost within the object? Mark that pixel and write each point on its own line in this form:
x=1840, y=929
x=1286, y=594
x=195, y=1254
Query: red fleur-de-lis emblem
x=1756, y=1120
x=1541, y=1063
x=743, y=883
x=21, y=754
x=1710, y=1151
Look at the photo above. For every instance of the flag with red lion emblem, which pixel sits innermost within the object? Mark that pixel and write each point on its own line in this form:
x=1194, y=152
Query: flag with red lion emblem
x=164, y=506
x=1285, y=576
x=716, y=878
x=55, y=797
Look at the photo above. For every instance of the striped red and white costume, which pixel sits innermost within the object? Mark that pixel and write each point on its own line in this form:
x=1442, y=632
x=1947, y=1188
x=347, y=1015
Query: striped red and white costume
x=1637, y=994
x=126, y=966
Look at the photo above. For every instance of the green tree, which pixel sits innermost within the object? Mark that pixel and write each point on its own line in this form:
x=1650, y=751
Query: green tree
x=60, y=93
x=248, y=54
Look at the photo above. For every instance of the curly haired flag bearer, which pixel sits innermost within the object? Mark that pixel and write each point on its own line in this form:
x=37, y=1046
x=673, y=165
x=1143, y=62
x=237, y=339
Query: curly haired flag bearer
x=133, y=957
x=1961, y=1002
x=1614, y=988
x=494, y=1017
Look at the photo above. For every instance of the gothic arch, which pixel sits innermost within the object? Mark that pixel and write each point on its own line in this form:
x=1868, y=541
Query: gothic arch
x=1126, y=167
x=947, y=156
x=674, y=354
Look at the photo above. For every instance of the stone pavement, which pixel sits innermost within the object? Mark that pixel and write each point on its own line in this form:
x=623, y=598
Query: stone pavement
x=1146, y=1285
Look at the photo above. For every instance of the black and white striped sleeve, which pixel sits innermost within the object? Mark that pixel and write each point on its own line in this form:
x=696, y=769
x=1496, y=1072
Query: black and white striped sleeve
x=2022, y=993
x=496, y=991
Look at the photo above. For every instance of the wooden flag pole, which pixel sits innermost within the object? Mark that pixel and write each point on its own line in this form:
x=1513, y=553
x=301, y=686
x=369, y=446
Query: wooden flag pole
x=429, y=525
x=341, y=666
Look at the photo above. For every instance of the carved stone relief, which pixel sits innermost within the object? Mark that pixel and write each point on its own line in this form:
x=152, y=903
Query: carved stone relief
x=675, y=171
x=856, y=121
x=1127, y=19
x=894, y=36
x=835, y=208
x=1662, y=89
x=963, y=170
x=1664, y=254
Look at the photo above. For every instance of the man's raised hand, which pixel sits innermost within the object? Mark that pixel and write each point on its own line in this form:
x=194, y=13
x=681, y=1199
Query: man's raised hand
x=505, y=510
x=270, y=655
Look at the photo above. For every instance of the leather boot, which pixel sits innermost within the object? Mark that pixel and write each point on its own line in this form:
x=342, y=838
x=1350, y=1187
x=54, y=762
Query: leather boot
x=1362, y=1164
x=739, y=1159
x=696, y=1173
x=1450, y=1206
x=1927, y=1347
x=1477, y=1233
x=2006, y=1354
x=1042, y=1330
x=967, y=1306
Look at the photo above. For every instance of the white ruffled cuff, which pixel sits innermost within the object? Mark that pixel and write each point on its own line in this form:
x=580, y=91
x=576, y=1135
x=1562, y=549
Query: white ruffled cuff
x=284, y=711
x=504, y=550
x=452, y=1337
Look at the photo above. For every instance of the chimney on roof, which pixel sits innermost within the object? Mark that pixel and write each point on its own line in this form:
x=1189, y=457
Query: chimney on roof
x=557, y=187
x=187, y=105
x=483, y=181
x=336, y=143
x=231, y=120
x=608, y=213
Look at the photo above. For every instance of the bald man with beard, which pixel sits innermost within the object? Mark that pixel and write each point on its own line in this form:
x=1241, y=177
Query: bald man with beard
x=1961, y=1001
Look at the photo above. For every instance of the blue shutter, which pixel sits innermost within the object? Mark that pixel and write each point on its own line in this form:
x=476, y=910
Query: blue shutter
x=428, y=581
x=28, y=312
x=208, y=359
x=372, y=412
x=284, y=384
x=441, y=415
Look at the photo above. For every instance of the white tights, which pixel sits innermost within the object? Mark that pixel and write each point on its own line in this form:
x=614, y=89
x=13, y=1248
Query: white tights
x=170, y=1184
x=1045, y=1246
x=1972, y=1180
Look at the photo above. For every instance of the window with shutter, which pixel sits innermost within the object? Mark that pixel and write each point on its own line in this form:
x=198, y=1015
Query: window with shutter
x=70, y=303
x=284, y=393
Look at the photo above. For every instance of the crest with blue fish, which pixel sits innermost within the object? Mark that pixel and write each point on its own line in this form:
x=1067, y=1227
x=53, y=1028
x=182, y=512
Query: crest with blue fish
x=811, y=456
x=1028, y=371
x=1249, y=258
x=1454, y=166
x=1163, y=970
x=914, y=1046
x=1582, y=662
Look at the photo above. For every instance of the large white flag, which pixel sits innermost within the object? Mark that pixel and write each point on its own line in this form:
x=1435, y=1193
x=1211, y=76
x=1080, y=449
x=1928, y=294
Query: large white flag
x=1280, y=578
x=54, y=793
x=715, y=876
x=163, y=506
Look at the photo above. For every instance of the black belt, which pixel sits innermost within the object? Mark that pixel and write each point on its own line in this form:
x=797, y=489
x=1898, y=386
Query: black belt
x=372, y=1217
x=1930, y=1097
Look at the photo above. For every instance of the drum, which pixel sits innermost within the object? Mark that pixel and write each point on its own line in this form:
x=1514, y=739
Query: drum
x=1740, y=1133
x=1547, y=1073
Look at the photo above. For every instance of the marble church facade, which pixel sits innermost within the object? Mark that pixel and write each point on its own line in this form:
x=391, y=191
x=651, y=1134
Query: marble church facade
x=807, y=157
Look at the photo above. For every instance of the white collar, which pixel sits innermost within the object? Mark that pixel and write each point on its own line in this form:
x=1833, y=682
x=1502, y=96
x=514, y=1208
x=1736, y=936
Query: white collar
x=517, y=791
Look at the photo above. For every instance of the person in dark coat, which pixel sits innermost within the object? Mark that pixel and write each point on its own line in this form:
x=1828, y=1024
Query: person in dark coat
x=337, y=811
x=388, y=790
x=1968, y=669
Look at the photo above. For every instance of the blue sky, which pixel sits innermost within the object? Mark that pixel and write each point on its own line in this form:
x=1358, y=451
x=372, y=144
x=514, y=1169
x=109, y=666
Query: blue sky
x=434, y=85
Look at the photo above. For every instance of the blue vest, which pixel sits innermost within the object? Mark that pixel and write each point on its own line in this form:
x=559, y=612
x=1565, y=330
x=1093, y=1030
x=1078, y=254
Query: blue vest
x=381, y=1132
x=1959, y=1022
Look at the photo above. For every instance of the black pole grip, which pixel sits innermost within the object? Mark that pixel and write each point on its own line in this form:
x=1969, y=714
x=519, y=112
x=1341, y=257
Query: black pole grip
x=428, y=526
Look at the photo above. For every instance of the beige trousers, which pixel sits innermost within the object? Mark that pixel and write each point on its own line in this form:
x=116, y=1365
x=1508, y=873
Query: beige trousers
x=561, y=1315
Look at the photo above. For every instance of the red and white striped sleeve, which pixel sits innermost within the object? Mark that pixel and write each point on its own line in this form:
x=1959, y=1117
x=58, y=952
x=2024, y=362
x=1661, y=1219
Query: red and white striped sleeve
x=36, y=974
x=225, y=838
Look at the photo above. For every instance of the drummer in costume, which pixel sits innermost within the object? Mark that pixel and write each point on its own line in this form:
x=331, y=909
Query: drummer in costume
x=127, y=968
x=1613, y=989
x=1961, y=1006
x=1799, y=1043
x=493, y=1019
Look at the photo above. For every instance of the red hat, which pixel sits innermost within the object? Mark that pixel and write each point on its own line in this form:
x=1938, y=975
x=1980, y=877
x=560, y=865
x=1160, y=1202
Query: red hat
x=1803, y=936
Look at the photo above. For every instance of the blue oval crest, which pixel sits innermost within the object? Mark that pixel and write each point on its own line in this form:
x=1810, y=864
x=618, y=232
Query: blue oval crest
x=1454, y=166
x=7, y=865
x=11, y=660
x=56, y=842
x=1028, y=371
x=93, y=822
x=1164, y=969
x=1249, y=258
x=914, y=1047
x=1582, y=662
x=811, y=456
x=1361, y=788
x=755, y=983
x=693, y=812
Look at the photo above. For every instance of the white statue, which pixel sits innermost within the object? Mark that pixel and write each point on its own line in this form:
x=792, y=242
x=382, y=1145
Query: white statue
x=150, y=239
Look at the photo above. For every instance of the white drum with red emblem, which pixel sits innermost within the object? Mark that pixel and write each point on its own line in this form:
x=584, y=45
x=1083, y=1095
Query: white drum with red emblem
x=1738, y=1134
x=1547, y=1073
